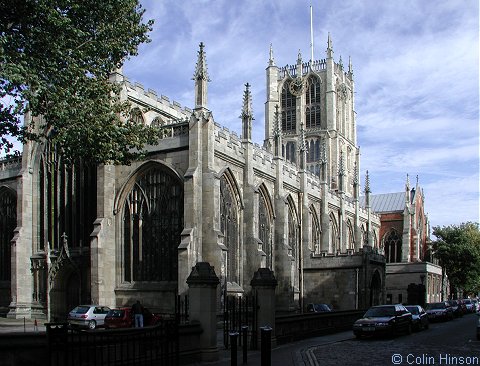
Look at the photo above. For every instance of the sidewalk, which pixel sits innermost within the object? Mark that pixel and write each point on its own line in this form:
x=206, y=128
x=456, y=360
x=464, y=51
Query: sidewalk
x=298, y=353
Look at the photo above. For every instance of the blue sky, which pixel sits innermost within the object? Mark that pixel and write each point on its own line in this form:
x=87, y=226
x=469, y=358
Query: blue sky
x=416, y=72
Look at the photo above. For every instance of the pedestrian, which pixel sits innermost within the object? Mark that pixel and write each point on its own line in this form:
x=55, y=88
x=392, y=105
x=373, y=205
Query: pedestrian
x=137, y=310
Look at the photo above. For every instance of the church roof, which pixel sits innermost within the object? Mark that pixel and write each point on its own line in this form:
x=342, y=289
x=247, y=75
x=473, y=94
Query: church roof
x=387, y=202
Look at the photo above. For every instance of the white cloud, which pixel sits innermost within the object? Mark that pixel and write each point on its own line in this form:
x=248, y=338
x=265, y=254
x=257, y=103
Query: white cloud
x=416, y=77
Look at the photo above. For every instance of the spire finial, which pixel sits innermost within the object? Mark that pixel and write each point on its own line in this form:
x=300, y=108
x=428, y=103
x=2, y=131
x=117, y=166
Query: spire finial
x=407, y=183
x=355, y=173
x=247, y=113
x=350, y=67
x=271, y=60
x=323, y=153
x=367, y=183
x=341, y=165
x=247, y=103
x=201, y=67
x=329, y=47
x=340, y=62
x=299, y=59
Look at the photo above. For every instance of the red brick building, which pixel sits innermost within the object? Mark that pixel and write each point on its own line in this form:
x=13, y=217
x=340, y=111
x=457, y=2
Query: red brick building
x=411, y=275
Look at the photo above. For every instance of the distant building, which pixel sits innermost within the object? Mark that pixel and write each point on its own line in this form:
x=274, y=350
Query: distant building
x=412, y=275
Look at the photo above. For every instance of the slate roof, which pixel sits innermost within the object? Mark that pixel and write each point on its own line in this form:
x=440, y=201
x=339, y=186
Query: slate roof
x=387, y=202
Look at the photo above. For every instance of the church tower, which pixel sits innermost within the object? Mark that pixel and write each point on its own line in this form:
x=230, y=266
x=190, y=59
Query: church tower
x=318, y=94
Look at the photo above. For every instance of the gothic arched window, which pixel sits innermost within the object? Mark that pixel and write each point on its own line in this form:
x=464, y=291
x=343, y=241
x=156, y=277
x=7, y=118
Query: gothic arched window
x=288, y=105
x=8, y=222
x=351, y=236
x=292, y=233
x=313, y=103
x=334, y=237
x=392, y=242
x=264, y=228
x=136, y=116
x=229, y=228
x=289, y=152
x=152, y=224
x=315, y=243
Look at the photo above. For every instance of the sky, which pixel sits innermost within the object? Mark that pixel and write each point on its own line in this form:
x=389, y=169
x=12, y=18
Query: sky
x=416, y=73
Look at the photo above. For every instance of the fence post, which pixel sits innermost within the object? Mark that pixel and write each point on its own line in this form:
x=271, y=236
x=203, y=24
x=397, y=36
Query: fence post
x=264, y=284
x=245, y=342
x=266, y=346
x=233, y=348
x=202, y=283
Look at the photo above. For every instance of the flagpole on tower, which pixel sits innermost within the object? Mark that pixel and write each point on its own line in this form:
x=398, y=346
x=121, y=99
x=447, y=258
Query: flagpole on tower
x=311, y=34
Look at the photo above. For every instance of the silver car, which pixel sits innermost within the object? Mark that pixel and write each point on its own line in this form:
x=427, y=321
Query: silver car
x=87, y=316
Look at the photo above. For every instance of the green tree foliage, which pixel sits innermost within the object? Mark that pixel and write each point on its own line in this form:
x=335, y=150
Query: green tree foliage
x=458, y=249
x=55, y=60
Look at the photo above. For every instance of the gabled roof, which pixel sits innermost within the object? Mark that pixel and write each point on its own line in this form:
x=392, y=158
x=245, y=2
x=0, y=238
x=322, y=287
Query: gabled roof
x=387, y=202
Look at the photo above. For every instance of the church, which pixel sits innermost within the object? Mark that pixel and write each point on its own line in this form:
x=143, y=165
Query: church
x=110, y=235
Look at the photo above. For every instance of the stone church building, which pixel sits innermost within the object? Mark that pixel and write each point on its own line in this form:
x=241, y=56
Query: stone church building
x=112, y=234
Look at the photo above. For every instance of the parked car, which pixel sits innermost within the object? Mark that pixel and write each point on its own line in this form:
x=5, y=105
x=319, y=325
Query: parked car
x=476, y=305
x=439, y=311
x=463, y=307
x=123, y=318
x=318, y=308
x=456, y=307
x=384, y=319
x=87, y=316
x=469, y=305
x=419, y=317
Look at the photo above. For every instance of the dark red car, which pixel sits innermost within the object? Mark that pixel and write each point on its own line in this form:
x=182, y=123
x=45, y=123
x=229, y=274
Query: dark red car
x=123, y=318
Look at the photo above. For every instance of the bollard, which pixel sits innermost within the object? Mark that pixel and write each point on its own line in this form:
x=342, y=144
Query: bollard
x=266, y=345
x=233, y=348
x=244, y=345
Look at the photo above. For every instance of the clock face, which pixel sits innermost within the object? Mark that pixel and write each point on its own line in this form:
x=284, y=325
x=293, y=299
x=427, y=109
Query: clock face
x=298, y=86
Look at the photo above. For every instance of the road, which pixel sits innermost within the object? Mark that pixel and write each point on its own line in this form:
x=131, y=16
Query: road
x=446, y=343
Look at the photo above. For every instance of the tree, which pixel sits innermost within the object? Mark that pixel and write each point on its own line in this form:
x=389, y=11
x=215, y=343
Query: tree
x=55, y=60
x=458, y=250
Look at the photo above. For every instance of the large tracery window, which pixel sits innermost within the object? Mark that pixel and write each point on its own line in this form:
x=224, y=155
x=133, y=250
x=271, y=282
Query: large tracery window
x=67, y=202
x=288, y=105
x=153, y=222
x=264, y=228
x=313, y=103
x=229, y=228
x=315, y=240
x=8, y=222
x=392, y=242
x=292, y=234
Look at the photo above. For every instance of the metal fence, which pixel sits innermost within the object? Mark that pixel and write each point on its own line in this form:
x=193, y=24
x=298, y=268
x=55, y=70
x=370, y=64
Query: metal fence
x=157, y=345
x=240, y=311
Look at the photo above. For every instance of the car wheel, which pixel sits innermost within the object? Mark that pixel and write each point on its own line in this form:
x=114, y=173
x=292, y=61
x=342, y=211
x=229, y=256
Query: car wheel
x=92, y=324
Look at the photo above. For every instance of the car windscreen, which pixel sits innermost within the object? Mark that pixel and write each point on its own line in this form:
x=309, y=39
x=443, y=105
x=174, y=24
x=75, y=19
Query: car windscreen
x=380, y=312
x=436, y=305
x=413, y=309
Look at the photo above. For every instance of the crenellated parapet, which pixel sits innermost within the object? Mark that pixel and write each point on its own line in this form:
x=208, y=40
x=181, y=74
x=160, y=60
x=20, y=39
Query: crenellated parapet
x=155, y=109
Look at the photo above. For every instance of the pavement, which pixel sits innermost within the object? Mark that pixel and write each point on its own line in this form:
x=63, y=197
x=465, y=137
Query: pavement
x=300, y=353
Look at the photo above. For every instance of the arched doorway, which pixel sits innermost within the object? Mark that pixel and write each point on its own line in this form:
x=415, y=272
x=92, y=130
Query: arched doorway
x=8, y=222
